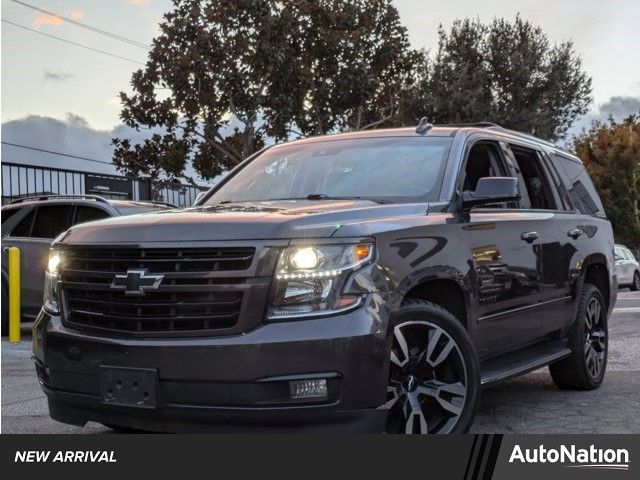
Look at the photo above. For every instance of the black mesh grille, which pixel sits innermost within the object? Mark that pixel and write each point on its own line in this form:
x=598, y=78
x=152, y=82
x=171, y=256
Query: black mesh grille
x=192, y=296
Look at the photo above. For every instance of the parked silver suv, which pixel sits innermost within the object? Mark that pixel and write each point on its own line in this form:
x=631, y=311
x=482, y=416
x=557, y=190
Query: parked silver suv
x=32, y=223
x=627, y=268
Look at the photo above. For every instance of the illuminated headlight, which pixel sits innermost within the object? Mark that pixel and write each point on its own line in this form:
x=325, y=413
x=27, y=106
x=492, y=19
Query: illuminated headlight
x=305, y=258
x=51, y=297
x=54, y=262
x=310, y=279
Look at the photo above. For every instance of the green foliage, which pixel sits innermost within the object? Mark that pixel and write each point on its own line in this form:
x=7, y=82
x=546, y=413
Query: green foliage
x=308, y=67
x=611, y=154
x=504, y=72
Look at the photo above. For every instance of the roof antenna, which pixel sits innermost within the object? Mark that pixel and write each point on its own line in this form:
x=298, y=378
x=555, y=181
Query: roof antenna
x=423, y=126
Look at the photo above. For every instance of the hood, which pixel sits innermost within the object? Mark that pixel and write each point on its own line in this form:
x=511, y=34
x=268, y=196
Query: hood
x=244, y=221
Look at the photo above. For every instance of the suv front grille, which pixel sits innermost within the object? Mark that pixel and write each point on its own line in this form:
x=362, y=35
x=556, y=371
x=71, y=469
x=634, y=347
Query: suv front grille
x=194, y=295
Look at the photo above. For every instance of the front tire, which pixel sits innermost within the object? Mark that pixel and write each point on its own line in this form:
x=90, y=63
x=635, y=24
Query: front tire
x=434, y=374
x=635, y=286
x=584, y=369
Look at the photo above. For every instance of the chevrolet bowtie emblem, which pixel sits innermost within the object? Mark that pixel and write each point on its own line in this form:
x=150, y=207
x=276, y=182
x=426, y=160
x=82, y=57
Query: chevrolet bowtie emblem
x=136, y=281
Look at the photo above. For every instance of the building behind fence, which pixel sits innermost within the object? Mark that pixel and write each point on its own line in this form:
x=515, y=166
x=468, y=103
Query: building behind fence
x=19, y=180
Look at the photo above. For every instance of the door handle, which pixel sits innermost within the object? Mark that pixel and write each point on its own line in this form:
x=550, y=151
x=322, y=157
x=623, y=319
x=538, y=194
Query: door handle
x=530, y=237
x=574, y=233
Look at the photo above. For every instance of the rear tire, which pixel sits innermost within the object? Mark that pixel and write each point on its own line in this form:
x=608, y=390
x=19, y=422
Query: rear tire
x=635, y=285
x=584, y=369
x=434, y=373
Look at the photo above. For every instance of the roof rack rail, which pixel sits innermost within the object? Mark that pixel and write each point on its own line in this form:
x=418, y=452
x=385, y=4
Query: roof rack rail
x=473, y=124
x=97, y=198
x=495, y=126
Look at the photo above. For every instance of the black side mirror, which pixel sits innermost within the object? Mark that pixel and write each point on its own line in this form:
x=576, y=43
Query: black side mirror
x=491, y=190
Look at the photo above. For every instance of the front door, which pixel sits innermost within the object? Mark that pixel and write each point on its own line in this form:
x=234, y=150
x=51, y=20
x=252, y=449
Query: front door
x=505, y=248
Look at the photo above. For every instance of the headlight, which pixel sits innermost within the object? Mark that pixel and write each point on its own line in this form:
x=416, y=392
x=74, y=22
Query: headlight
x=310, y=279
x=51, y=291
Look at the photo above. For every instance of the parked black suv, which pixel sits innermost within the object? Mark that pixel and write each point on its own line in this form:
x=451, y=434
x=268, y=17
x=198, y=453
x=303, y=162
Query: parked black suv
x=370, y=281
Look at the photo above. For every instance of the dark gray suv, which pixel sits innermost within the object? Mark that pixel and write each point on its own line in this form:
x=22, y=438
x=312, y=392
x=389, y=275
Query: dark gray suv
x=370, y=281
x=32, y=223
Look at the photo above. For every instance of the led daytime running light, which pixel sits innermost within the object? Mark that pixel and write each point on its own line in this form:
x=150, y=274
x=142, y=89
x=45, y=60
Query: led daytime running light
x=308, y=275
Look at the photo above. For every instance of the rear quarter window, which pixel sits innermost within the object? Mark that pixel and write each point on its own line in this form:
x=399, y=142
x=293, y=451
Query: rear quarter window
x=580, y=188
x=23, y=228
x=88, y=214
x=7, y=213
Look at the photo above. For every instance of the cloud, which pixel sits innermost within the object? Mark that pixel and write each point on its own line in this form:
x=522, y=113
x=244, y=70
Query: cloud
x=620, y=107
x=57, y=76
x=138, y=2
x=76, y=14
x=617, y=107
x=73, y=135
x=44, y=19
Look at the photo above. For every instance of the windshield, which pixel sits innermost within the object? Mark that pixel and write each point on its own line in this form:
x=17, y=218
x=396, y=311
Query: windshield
x=395, y=169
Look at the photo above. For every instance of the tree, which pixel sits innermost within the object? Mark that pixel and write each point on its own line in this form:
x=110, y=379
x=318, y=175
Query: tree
x=611, y=154
x=222, y=76
x=504, y=72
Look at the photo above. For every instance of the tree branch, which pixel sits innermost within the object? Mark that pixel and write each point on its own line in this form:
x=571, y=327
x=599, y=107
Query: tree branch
x=383, y=119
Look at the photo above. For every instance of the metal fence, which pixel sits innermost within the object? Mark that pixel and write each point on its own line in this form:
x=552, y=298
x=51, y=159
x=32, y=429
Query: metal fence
x=19, y=180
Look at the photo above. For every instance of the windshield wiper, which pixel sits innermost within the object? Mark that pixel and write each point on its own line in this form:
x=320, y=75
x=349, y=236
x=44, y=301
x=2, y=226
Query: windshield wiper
x=311, y=196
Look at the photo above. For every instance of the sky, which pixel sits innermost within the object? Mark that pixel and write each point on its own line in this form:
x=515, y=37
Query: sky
x=70, y=89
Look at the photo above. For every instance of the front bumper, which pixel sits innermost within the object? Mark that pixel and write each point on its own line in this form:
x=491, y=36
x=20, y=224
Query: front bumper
x=229, y=383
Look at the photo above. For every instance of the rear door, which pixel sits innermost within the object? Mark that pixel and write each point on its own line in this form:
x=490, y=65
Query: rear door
x=558, y=232
x=503, y=243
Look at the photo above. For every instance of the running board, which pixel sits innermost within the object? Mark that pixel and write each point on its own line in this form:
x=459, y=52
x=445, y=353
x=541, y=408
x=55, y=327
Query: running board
x=502, y=368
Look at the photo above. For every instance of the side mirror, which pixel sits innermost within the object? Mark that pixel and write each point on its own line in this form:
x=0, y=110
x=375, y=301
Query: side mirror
x=491, y=190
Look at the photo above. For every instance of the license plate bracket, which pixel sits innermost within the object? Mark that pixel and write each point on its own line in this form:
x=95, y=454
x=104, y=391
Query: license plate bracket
x=129, y=387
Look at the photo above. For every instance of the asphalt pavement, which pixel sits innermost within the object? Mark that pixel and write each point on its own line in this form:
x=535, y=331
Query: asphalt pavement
x=528, y=404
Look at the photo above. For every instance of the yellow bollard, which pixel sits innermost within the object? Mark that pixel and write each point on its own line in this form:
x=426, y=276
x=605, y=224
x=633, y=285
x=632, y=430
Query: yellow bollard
x=14, y=294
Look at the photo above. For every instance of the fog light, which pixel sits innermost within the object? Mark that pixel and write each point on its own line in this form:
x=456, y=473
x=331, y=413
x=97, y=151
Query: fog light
x=311, y=388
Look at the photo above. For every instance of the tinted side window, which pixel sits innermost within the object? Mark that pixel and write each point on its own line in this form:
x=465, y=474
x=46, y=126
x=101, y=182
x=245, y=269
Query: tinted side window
x=579, y=186
x=581, y=198
x=51, y=221
x=7, y=213
x=23, y=229
x=535, y=178
x=484, y=159
x=87, y=214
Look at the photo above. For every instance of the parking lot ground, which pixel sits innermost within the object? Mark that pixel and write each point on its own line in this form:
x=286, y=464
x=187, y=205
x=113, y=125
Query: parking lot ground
x=528, y=404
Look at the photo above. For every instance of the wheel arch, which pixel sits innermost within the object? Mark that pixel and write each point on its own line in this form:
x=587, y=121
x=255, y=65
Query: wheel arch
x=595, y=271
x=445, y=289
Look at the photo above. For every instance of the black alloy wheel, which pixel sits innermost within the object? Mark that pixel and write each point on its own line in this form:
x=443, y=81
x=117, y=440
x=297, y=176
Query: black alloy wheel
x=595, y=337
x=428, y=381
